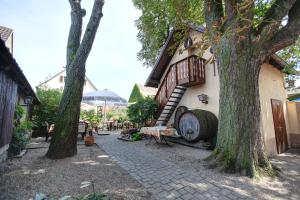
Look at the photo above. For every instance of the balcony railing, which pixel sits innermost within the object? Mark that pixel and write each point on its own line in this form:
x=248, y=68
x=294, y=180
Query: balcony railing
x=186, y=72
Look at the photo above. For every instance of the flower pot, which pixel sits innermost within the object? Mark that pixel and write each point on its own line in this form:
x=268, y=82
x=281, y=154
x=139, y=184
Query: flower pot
x=89, y=140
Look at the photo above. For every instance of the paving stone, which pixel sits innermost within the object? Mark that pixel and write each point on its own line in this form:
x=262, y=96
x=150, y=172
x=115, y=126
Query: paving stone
x=225, y=191
x=182, y=191
x=167, y=180
x=187, y=196
x=167, y=187
x=175, y=193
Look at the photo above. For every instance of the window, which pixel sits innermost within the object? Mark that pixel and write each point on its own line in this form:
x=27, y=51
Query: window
x=61, y=79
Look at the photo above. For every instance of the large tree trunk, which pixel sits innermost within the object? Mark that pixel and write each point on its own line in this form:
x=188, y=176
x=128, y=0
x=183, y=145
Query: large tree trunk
x=240, y=145
x=64, y=140
x=241, y=47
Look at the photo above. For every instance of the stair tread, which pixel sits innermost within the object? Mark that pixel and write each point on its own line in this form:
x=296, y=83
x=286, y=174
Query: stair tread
x=171, y=105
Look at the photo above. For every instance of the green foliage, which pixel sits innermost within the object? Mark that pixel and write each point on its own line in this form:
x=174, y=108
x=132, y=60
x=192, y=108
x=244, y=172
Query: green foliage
x=48, y=108
x=142, y=110
x=158, y=18
x=119, y=114
x=136, y=94
x=291, y=54
x=19, y=136
x=136, y=136
x=24, y=126
x=90, y=116
x=18, y=143
x=261, y=7
x=19, y=112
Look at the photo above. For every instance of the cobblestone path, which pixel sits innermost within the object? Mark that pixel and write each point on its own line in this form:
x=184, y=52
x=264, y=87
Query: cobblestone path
x=167, y=180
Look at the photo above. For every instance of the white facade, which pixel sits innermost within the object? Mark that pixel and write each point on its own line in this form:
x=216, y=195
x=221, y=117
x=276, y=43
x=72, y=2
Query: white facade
x=58, y=82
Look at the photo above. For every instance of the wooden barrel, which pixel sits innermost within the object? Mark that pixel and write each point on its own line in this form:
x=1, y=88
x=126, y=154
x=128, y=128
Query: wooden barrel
x=179, y=111
x=195, y=125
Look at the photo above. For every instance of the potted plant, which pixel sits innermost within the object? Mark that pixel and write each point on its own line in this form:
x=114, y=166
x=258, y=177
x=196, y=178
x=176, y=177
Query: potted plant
x=89, y=139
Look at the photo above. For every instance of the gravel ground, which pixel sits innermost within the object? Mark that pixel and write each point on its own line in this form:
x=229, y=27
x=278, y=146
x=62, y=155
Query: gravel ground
x=21, y=178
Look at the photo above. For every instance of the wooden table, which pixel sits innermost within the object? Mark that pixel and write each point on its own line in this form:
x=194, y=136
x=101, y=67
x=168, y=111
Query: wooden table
x=159, y=133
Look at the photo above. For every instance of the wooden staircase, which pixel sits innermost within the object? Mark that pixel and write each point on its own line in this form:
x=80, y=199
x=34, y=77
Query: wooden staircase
x=180, y=75
x=171, y=105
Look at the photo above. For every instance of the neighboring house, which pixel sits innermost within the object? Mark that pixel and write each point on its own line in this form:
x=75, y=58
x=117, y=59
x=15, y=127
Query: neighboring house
x=14, y=89
x=7, y=35
x=140, y=92
x=184, y=79
x=58, y=82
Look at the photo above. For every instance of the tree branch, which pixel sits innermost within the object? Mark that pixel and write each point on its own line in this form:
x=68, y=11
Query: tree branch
x=75, y=31
x=213, y=17
x=89, y=35
x=274, y=16
x=230, y=8
x=287, y=35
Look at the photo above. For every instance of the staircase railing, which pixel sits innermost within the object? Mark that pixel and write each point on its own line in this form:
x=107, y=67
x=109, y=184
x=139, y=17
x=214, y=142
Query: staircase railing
x=187, y=72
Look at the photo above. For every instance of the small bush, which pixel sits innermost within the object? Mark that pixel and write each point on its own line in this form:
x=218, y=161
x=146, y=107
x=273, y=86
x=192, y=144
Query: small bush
x=142, y=111
x=118, y=114
x=90, y=116
x=46, y=111
x=18, y=143
x=136, y=136
x=24, y=126
x=20, y=133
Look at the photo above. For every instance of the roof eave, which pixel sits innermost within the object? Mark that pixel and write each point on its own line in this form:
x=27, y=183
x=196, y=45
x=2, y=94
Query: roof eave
x=151, y=81
x=16, y=73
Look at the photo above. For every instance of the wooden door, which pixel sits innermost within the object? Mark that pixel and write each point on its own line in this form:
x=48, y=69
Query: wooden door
x=279, y=125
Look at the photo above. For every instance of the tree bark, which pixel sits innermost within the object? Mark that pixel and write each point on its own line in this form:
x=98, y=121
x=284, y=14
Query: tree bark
x=240, y=145
x=64, y=140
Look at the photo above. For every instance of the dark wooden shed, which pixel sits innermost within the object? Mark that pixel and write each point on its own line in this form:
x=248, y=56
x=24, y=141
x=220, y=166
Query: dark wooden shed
x=12, y=84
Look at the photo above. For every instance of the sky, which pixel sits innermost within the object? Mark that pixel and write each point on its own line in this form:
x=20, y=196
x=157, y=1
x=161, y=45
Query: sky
x=40, y=37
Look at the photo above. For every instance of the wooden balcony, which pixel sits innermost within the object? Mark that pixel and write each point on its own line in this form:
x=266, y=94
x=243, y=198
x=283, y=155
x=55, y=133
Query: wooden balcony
x=186, y=72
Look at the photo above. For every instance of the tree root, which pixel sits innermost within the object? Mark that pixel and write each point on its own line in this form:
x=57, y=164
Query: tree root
x=218, y=161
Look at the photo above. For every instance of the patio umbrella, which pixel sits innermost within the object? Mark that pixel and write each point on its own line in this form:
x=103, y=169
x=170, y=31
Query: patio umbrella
x=104, y=98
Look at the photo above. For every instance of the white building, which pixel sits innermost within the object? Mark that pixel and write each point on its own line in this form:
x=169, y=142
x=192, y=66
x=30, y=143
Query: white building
x=58, y=82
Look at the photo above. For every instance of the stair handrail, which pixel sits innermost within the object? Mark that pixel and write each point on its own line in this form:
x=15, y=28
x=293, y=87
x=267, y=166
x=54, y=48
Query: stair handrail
x=164, y=83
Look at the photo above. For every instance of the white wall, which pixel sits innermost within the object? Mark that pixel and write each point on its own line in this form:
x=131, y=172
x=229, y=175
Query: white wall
x=271, y=86
x=55, y=83
x=293, y=118
x=210, y=87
